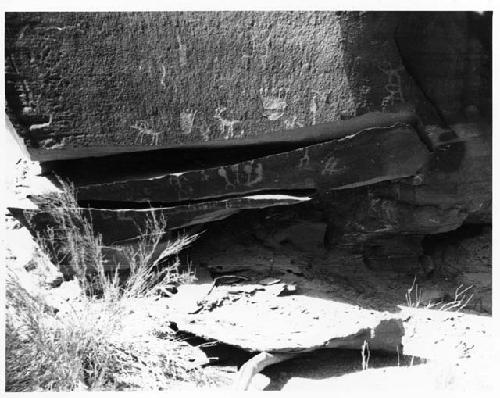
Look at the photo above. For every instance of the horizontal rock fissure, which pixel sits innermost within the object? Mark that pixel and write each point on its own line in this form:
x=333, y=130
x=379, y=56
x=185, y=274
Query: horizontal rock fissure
x=152, y=163
x=118, y=225
x=258, y=195
x=431, y=241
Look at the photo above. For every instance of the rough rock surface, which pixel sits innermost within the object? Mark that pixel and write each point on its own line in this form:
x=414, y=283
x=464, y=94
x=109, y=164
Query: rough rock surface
x=78, y=80
x=466, y=256
x=275, y=319
x=449, y=55
x=290, y=243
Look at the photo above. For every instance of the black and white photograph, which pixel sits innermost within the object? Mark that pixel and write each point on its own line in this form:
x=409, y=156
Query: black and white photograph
x=215, y=199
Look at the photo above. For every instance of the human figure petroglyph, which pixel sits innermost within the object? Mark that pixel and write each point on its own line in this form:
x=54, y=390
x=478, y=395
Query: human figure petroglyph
x=187, y=120
x=175, y=180
x=254, y=175
x=163, y=75
x=245, y=61
x=305, y=160
x=235, y=168
x=364, y=91
x=223, y=173
x=204, y=175
x=182, y=52
x=249, y=170
x=226, y=125
x=205, y=131
x=313, y=107
x=394, y=84
x=143, y=130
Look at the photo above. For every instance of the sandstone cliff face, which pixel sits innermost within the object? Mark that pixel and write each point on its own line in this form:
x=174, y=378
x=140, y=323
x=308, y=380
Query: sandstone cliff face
x=380, y=121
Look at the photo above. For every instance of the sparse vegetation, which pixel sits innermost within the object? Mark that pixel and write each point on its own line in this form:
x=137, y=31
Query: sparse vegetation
x=459, y=302
x=365, y=355
x=413, y=295
x=81, y=345
x=413, y=298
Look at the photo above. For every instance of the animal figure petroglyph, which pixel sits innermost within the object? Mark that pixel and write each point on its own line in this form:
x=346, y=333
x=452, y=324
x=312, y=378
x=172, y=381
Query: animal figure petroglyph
x=143, y=129
x=226, y=125
x=39, y=126
x=291, y=123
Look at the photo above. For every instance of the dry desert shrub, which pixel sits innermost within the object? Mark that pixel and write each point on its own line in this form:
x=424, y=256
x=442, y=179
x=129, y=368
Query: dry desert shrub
x=81, y=345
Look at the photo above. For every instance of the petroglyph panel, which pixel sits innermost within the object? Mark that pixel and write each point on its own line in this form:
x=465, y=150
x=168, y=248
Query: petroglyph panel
x=363, y=157
x=195, y=77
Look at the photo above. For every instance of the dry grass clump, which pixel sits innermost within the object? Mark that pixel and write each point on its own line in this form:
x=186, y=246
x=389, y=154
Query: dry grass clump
x=68, y=238
x=82, y=344
x=147, y=277
x=82, y=347
x=47, y=351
